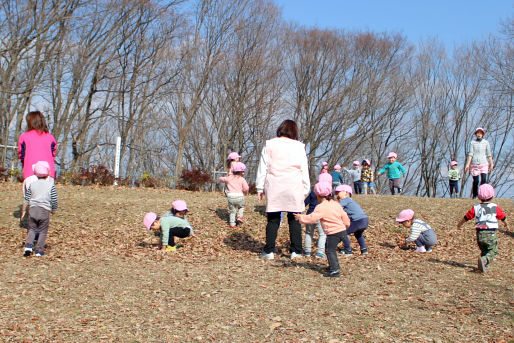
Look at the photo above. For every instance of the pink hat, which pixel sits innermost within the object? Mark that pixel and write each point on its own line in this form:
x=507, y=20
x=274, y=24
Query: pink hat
x=367, y=161
x=392, y=154
x=43, y=163
x=179, y=205
x=323, y=189
x=41, y=169
x=337, y=167
x=148, y=220
x=479, y=129
x=405, y=215
x=485, y=192
x=453, y=163
x=238, y=167
x=324, y=164
x=233, y=155
x=356, y=163
x=344, y=188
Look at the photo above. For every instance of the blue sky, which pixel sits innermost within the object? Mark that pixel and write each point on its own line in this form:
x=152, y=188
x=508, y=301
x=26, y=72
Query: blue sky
x=452, y=21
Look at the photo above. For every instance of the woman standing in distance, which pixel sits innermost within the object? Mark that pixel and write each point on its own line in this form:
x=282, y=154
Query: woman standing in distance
x=283, y=177
x=480, y=160
x=36, y=144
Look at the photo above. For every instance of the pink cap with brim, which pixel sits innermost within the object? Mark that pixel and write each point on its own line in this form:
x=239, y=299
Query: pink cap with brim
x=148, y=220
x=405, y=215
x=42, y=163
x=41, y=170
x=179, y=205
x=323, y=189
x=392, y=154
x=233, y=155
x=324, y=164
x=356, y=163
x=238, y=167
x=337, y=167
x=453, y=163
x=485, y=192
x=344, y=188
x=368, y=162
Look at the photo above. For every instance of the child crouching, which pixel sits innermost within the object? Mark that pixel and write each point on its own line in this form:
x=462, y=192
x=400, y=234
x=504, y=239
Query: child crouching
x=420, y=232
x=170, y=227
x=334, y=222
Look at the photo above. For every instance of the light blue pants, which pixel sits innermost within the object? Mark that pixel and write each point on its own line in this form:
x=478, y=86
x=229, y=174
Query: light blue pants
x=236, y=206
x=309, y=233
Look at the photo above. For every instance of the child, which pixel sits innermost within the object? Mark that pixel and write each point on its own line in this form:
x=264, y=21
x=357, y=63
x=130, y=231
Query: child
x=454, y=177
x=337, y=177
x=237, y=188
x=358, y=220
x=324, y=176
x=171, y=226
x=420, y=232
x=26, y=184
x=41, y=198
x=367, y=177
x=395, y=172
x=486, y=216
x=334, y=222
x=232, y=158
x=312, y=202
x=355, y=174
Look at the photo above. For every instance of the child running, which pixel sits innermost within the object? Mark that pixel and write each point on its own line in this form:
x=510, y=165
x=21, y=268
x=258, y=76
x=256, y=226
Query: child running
x=170, y=227
x=367, y=177
x=454, y=178
x=486, y=215
x=334, y=222
x=395, y=172
x=312, y=202
x=420, y=232
x=358, y=220
x=337, y=177
x=232, y=158
x=41, y=199
x=237, y=188
x=355, y=175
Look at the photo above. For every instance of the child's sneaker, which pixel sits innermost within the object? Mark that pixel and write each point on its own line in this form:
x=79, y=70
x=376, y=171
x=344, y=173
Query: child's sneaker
x=232, y=226
x=307, y=253
x=429, y=249
x=482, y=264
x=267, y=256
x=295, y=255
x=420, y=249
x=171, y=248
x=334, y=273
x=239, y=220
x=320, y=255
x=346, y=252
x=27, y=252
x=364, y=251
x=39, y=253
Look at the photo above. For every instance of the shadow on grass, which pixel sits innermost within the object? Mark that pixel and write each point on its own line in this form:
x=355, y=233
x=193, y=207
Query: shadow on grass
x=243, y=241
x=311, y=265
x=453, y=264
x=508, y=233
x=147, y=245
x=261, y=209
x=222, y=213
x=392, y=246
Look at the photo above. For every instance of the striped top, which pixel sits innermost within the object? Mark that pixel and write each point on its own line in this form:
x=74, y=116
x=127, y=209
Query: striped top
x=41, y=193
x=416, y=229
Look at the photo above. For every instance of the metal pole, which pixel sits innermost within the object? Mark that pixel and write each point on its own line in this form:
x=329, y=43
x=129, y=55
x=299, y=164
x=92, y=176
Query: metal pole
x=117, y=160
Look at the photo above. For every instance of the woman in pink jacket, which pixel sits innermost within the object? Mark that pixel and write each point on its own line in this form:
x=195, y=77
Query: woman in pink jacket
x=36, y=144
x=283, y=177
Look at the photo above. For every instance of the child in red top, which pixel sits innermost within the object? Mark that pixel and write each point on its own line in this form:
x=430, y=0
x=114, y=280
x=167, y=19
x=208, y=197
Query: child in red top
x=334, y=222
x=237, y=188
x=486, y=215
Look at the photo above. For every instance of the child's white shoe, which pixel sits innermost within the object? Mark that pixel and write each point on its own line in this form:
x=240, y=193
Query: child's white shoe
x=267, y=256
x=420, y=249
x=27, y=252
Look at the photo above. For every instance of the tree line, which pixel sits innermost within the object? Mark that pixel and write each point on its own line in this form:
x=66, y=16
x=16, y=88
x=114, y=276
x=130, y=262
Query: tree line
x=183, y=83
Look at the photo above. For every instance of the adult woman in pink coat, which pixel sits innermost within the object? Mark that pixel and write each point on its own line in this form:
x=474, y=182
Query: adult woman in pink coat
x=283, y=177
x=36, y=144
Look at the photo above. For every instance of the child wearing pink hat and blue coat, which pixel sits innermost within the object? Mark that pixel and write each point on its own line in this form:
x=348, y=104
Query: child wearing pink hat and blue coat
x=169, y=227
x=334, y=222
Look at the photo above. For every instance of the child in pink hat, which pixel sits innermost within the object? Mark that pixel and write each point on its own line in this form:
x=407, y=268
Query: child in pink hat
x=41, y=199
x=237, y=188
x=453, y=179
x=358, y=220
x=324, y=176
x=334, y=222
x=232, y=158
x=486, y=215
x=420, y=232
x=169, y=227
x=355, y=175
x=337, y=177
x=395, y=172
x=26, y=183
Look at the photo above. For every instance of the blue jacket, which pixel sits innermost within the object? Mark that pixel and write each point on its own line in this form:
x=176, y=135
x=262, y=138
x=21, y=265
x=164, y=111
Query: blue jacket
x=337, y=177
x=353, y=209
x=312, y=201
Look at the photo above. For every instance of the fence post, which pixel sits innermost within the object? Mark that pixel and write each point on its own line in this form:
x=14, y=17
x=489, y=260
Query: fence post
x=117, y=160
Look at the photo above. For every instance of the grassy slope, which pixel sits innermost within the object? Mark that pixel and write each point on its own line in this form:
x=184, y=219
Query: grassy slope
x=98, y=283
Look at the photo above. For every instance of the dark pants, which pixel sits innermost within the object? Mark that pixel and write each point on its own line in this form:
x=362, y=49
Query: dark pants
x=395, y=183
x=357, y=186
x=483, y=179
x=180, y=232
x=454, y=188
x=295, y=232
x=357, y=227
x=39, y=221
x=331, y=250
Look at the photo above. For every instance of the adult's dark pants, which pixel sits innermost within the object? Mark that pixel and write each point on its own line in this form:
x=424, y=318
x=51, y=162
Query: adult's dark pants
x=482, y=178
x=295, y=232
